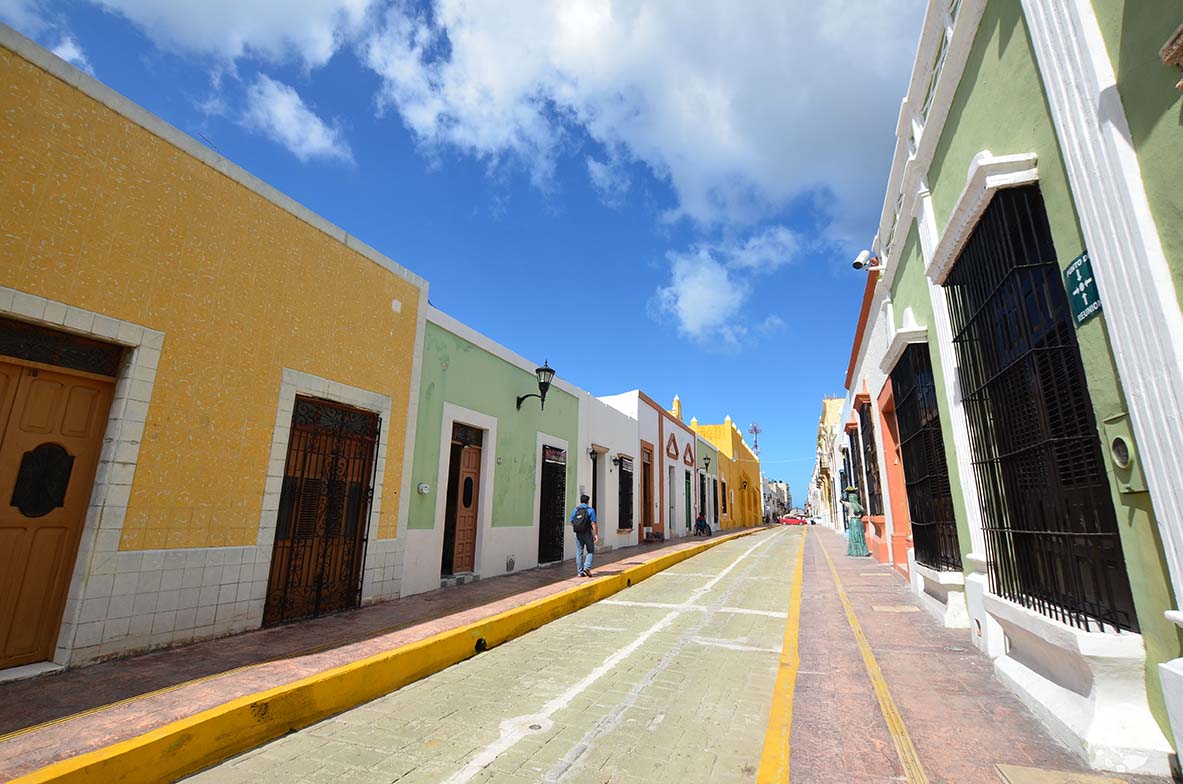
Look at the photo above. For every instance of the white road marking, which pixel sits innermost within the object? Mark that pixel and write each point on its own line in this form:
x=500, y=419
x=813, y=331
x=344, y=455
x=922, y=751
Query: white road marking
x=513, y=730
x=713, y=642
x=699, y=608
x=599, y=628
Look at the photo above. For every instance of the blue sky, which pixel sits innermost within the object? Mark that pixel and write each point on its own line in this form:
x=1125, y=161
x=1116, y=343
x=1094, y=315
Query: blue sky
x=663, y=195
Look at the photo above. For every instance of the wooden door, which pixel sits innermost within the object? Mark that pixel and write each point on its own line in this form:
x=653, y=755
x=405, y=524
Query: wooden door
x=324, y=506
x=467, y=495
x=51, y=431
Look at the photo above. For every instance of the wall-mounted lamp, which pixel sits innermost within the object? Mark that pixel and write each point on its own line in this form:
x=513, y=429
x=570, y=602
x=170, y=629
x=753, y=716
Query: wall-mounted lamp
x=706, y=464
x=616, y=461
x=545, y=375
x=745, y=484
x=591, y=452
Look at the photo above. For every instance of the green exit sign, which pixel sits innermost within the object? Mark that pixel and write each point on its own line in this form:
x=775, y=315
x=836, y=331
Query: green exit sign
x=1082, y=289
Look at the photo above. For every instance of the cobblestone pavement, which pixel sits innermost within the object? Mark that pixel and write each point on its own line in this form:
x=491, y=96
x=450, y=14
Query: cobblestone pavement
x=668, y=681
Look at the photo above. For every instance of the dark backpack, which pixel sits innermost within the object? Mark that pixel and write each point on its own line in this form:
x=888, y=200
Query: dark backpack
x=581, y=523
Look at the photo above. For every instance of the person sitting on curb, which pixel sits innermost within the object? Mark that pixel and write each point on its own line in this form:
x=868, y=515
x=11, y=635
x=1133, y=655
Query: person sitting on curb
x=583, y=522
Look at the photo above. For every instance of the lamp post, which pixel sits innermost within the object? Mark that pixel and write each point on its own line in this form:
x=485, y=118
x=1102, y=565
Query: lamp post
x=545, y=375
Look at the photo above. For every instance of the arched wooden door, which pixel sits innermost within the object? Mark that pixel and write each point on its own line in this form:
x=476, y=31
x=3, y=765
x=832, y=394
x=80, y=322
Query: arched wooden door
x=51, y=431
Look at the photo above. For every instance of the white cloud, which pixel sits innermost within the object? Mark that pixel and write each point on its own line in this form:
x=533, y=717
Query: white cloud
x=23, y=15
x=740, y=108
x=704, y=299
x=272, y=30
x=69, y=50
x=276, y=110
x=710, y=285
x=609, y=179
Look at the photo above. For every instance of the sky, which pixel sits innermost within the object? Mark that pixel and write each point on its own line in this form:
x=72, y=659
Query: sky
x=654, y=194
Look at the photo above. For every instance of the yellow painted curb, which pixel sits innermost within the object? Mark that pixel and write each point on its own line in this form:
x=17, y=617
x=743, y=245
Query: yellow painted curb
x=774, y=760
x=197, y=742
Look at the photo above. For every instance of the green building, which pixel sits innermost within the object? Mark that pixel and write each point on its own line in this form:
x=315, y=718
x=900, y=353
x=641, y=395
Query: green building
x=1022, y=355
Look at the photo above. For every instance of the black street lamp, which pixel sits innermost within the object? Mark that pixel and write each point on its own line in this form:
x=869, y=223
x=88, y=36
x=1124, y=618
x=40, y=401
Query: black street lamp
x=545, y=375
x=706, y=463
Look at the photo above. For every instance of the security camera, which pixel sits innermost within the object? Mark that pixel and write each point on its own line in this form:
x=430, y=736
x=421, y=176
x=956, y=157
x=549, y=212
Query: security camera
x=861, y=260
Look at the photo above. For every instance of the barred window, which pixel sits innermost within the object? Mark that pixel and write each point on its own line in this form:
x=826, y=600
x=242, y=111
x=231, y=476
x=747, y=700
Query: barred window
x=874, y=492
x=1051, y=533
x=926, y=474
x=625, y=494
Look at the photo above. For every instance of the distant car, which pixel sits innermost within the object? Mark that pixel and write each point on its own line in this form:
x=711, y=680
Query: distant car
x=792, y=520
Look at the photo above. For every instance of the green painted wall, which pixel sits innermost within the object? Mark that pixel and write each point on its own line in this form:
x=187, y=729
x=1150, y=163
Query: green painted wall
x=1000, y=106
x=458, y=372
x=1134, y=31
x=909, y=289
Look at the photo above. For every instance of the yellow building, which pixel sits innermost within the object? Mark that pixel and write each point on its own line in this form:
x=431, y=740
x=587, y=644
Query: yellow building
x=740, y=502
x=203, y=383
x=827, y=430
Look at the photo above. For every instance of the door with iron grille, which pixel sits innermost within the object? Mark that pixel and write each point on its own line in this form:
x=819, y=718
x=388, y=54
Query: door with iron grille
x=552, y=505
x=1051, y=532
x=625, y=494
x=874, y=492
x=320, y=534
x=926, y=474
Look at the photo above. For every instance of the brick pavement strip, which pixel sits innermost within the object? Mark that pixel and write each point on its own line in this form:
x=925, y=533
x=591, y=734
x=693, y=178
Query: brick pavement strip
x=620, y=693
x=276, y=657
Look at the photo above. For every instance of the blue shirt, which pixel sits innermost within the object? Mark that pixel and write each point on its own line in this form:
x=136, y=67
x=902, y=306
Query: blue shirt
x=591, y=513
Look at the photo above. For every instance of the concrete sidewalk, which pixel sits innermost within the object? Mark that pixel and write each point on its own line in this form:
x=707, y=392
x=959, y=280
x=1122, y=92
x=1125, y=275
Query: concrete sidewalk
x=961, y=720
x=60, y=716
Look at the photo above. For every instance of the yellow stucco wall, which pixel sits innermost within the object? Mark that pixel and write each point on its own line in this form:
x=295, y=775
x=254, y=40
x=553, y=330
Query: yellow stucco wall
x=101, y=214
x=737, y=463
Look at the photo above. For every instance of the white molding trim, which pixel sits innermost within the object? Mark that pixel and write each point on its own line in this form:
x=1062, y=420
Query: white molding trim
x=909, y=332
x=910, y=163
x=946, y=355
x=380, y=572
x=451, y=415
x=1142, y=313
x=462, y=330
x=988, y=173
x=23, y=47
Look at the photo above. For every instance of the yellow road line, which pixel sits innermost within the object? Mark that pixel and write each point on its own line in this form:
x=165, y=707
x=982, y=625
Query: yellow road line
x=774, y=760
x=910, y=761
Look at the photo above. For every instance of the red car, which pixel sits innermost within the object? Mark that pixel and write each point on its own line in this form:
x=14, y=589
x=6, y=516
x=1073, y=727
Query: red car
x=791, y=520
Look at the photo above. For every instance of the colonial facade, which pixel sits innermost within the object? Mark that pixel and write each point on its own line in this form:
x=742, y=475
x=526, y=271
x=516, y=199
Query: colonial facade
x=219, y=412
x=173, y=383
x=740, y=501
x=1016, y=368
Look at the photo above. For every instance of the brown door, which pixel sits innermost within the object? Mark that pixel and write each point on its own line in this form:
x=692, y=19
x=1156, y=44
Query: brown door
x=320, y=533
x=646, y=490
x=51, y=431
x=467, y=492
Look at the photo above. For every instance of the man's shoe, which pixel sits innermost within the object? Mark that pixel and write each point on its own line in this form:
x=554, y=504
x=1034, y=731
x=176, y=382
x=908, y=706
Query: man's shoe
x=587, y=573
x=582, y=573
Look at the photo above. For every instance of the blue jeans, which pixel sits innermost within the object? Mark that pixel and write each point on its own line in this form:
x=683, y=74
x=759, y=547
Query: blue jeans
x=584, y=542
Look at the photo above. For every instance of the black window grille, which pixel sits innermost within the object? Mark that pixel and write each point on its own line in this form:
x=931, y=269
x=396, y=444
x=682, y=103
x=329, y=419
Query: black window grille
x=1051, y=533
x=926, y=474
x=625, y=495
x=874, y=488
x=856, y=468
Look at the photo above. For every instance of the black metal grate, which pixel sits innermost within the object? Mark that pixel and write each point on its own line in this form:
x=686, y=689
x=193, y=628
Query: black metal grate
x=926, y=474
x=552, y=503
x=870, y=460
x=1051, y=533
x=320, y=537
x=856, y=468
x=51, y=347
x=625, y=496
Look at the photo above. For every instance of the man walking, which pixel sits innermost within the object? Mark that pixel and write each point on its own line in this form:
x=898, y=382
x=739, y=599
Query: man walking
x=583, y=522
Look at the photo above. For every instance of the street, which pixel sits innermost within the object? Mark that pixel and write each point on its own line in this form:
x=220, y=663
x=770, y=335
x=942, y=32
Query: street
x=669, y=680
x=673, y=680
